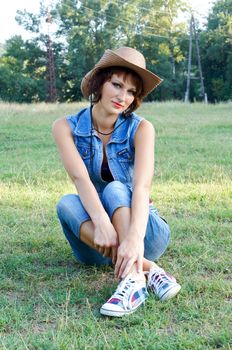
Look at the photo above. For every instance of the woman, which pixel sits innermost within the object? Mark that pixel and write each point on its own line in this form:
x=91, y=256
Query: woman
x=108, y=151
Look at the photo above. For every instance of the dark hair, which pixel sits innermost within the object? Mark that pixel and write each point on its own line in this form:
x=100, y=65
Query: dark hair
x=102, y=75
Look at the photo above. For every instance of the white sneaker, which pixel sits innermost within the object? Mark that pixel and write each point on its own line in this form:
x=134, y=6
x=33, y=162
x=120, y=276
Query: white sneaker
x=162, y=284
x=129, y=295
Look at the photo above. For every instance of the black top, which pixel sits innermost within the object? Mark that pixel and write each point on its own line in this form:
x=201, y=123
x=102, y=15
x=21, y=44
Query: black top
x=105, y=172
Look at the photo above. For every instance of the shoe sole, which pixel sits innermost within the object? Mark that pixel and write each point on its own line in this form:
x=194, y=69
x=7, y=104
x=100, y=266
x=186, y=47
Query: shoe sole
x=171, y=293
x=111, y=313
x=115, y=313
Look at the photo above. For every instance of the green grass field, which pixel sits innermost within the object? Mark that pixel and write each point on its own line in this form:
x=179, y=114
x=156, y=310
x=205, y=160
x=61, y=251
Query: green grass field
x=48, y=301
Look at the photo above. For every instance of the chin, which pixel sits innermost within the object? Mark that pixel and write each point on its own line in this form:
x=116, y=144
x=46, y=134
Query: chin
x=119, y=110
x=115, y=111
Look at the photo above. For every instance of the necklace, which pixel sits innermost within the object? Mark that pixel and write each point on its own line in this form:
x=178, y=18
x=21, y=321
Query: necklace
x=103, y=133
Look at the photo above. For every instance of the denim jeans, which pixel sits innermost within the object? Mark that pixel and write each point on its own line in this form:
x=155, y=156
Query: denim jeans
x=72, y=214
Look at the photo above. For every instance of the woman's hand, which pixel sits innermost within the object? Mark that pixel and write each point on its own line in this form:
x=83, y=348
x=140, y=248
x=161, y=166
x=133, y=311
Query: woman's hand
x=106, y=239
x=130, y=252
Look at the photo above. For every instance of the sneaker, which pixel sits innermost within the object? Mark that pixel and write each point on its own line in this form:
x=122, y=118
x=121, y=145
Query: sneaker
x=129, y=295
x=162, y=284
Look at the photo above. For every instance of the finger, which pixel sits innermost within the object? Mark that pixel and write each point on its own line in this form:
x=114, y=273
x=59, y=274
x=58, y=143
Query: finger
x=139, y=264
x=124, y=264
x=114, y=255
x=101, y=250
x=107, y=252
x=117, y=266
x=126, y=268
x=96, y=246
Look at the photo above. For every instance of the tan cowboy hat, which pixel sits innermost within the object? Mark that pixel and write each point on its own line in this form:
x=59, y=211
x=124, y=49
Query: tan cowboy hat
x=124, y=57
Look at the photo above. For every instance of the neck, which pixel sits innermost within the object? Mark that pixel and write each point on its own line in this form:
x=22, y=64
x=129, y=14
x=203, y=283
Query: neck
x=103, y=121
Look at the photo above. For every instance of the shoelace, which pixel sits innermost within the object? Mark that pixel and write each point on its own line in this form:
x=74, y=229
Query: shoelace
x=124, y=288
x=158, y=280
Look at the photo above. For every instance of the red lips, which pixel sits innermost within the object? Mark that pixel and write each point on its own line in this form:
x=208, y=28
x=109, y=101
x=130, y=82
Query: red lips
x=117, y=105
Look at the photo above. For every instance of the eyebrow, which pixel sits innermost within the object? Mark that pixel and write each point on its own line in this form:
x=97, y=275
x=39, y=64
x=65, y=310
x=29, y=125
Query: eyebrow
x=122, y=82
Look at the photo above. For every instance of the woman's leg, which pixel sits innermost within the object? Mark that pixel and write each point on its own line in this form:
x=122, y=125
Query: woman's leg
x=74, y=219
x=121, y=221
x=131, y=291
x=121, y=224
x=155, y=243
x=117, y=202
x=116, y=198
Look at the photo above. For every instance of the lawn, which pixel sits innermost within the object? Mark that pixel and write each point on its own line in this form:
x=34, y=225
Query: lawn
x=48, y=301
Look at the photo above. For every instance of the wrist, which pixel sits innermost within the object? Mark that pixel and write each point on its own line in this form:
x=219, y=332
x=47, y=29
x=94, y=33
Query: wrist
x=99, y=218
x=135, y=234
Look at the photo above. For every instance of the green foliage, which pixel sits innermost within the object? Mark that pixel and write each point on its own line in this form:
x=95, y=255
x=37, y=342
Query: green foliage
x=22, y=72
x=85, y=28
x=2, y=49
x=217, y=52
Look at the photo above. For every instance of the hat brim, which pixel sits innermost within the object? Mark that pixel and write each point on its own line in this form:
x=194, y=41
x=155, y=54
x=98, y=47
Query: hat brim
x=149, y=79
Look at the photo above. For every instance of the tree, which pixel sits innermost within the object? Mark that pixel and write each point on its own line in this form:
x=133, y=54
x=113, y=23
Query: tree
x=216, y=41
x=85, y=28
x=91, y=26
x=163, y=46
x=22, y=70
x=2, y=49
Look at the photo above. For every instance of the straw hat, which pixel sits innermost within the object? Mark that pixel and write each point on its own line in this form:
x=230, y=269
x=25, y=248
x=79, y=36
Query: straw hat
x=124, y=57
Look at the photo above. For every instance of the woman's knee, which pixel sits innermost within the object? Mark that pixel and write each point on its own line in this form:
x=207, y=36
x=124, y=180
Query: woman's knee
x=71, y=213
x=114, y=187
x=64, y=204
x=116, y=195
x=70, y=206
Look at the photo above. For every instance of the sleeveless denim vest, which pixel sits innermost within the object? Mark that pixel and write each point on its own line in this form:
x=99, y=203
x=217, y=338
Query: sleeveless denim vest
x=120, y=150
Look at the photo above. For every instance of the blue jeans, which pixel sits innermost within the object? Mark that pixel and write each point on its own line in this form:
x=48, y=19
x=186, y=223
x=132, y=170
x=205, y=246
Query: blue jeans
x=72, y=214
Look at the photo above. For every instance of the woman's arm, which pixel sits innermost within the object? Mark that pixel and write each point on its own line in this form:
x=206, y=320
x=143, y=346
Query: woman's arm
x=131, y=249
x=105, y=235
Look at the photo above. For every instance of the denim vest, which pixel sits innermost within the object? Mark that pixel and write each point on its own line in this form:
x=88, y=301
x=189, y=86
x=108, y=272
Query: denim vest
x=120, y=149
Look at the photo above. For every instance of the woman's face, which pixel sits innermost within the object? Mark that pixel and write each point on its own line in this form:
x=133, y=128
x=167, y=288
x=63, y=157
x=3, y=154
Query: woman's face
x=118, y=93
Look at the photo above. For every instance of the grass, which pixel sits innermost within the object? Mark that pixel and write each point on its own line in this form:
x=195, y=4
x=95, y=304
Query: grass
x=48, y=301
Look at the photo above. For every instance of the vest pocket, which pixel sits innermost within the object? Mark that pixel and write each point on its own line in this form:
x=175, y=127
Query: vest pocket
x=124, y=155
x=85, y=152
x=125, y=160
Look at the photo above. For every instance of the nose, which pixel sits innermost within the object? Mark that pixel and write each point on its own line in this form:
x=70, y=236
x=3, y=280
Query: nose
x=122, y=94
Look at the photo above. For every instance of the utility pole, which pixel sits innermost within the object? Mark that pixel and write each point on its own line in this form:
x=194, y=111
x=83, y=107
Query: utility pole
x=51, y=90
x=204, y=95
x=186, y=99
x=191, y=30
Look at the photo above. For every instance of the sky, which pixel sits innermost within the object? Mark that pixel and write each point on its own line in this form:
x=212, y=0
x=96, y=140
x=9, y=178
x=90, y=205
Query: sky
x=9, y=27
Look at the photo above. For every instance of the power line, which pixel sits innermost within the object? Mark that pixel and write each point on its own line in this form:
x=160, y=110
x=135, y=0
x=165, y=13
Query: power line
x=121, y=20
x=144, y=26
x=146, y=9
x=124, y=21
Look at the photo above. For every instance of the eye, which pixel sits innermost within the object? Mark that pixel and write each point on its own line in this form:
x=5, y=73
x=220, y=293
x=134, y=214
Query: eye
x=117, y=85
x=132, y=92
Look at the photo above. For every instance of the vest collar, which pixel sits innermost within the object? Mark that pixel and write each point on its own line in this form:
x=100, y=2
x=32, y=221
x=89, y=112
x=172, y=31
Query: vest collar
x=83, y=127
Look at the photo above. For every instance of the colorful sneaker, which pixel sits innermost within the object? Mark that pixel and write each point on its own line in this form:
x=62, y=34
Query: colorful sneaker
x=129, y=295
x=162, y=284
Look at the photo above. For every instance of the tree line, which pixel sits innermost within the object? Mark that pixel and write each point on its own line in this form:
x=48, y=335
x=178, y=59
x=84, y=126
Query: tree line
x=85, y=28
